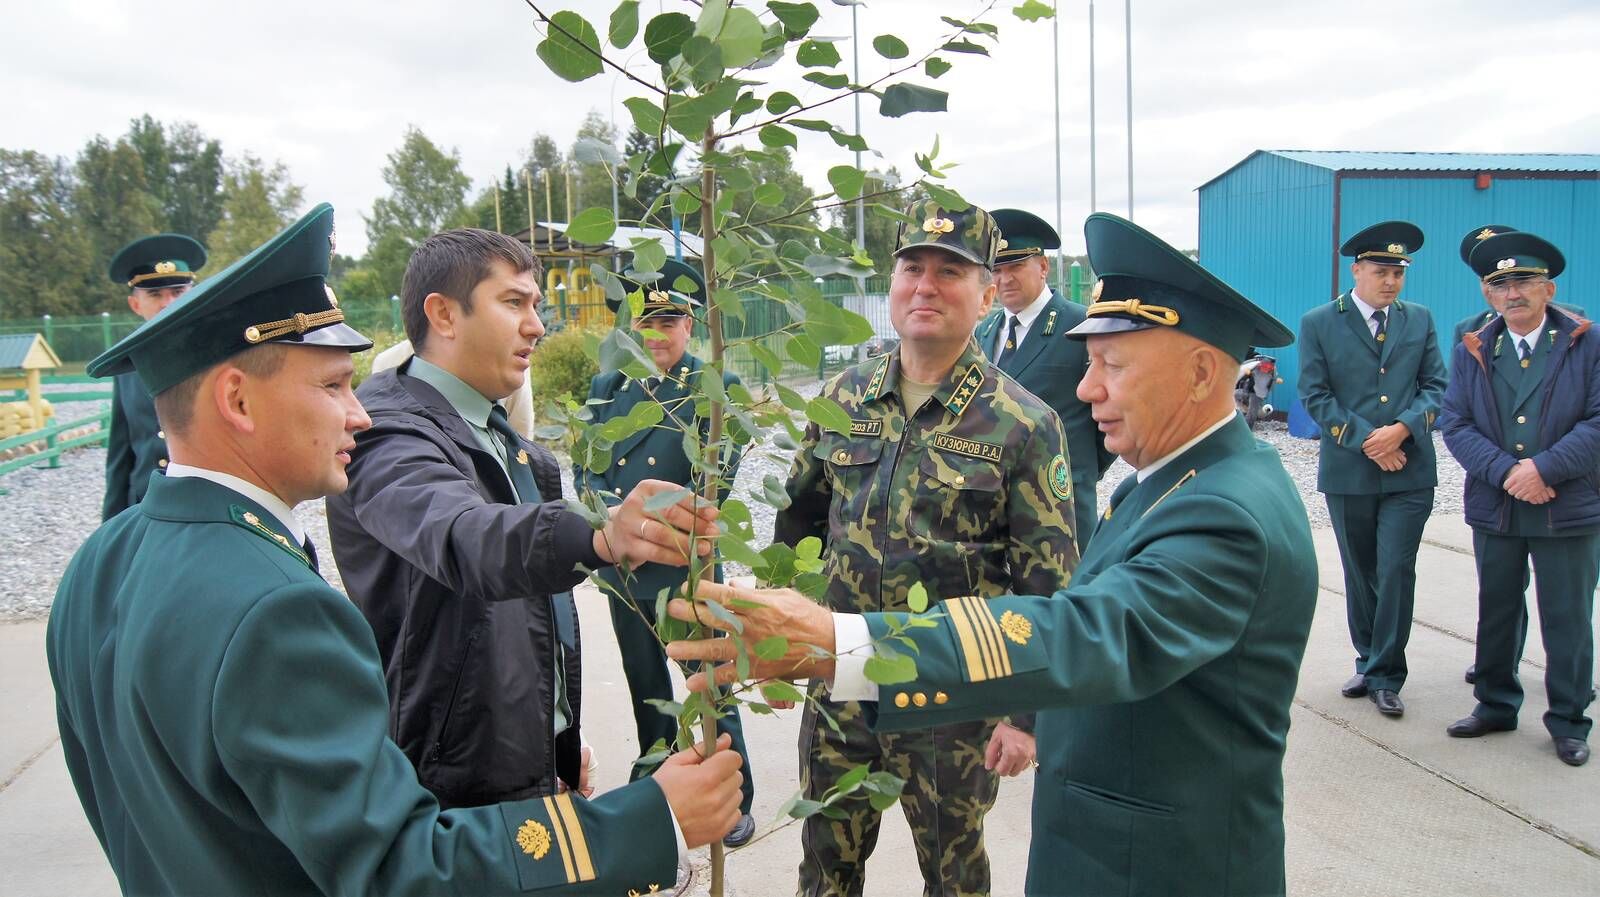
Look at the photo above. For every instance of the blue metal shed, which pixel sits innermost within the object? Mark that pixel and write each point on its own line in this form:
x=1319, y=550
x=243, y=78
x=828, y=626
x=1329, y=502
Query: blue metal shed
x=1271, y=225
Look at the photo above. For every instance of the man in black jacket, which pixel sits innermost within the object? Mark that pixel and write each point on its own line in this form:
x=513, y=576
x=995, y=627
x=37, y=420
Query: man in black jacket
x=454, y=541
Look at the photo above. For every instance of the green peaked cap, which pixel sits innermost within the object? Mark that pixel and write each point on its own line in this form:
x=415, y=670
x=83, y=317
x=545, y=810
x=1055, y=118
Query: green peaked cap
x=1146, y=283
x=162, y=260
x=277, y=293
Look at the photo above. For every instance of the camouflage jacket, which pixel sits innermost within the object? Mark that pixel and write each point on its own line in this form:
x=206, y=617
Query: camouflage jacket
x=972, y=496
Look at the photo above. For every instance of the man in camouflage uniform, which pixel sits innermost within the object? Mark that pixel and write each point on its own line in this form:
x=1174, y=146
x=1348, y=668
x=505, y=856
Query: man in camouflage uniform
x=952, y=476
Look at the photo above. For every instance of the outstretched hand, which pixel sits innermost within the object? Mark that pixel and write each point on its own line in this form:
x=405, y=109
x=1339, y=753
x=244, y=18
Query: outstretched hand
x=636, y=536
x=764, y=613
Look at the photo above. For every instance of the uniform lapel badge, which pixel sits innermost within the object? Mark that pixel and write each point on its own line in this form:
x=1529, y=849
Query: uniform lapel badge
x=1016, y=627
x=534, y=839
x=522, y=457
x=654, y=889
x=1050, y=323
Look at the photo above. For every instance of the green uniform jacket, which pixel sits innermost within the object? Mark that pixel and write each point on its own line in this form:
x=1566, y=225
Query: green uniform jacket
x=136, y=447
x=1351, y=384
x=225, y=723
x=652, y=454
x=1486, y=317
x=970, y=497
x=1164, y=673
x=1050, y=366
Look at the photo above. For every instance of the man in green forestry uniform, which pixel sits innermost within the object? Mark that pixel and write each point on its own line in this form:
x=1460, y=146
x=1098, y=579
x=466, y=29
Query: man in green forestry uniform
x=657, y=453
x=157, y=270
x=1371, y=377
x=953, y=477
x=1027, y=339
x=222, y=709
x=1166, y=671
x=1523, y=417
x=1479, y=320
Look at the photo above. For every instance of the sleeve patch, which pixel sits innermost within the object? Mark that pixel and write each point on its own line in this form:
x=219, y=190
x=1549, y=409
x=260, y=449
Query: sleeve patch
x=1060, y=478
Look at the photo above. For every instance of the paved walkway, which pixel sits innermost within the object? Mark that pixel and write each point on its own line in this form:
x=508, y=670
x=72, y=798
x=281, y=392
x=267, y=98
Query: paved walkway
x=1375, y=806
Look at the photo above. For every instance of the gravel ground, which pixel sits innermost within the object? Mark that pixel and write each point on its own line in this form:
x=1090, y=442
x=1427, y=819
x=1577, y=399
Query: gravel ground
x=48, y=513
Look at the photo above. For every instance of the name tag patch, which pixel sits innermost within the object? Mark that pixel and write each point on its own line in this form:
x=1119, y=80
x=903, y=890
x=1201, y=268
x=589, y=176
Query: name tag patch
x=972, y=448
x=866, y=427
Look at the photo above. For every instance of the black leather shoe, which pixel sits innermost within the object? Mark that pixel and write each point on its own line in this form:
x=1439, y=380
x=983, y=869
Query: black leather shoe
x=742, y=832
x=1389, y=703
x=1572, y=751
x=1471, y=675
x=1354, y=687
x=1476, y=727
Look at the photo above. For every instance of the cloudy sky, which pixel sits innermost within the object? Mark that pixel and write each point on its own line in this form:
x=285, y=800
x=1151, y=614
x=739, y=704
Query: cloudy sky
x=329, y=86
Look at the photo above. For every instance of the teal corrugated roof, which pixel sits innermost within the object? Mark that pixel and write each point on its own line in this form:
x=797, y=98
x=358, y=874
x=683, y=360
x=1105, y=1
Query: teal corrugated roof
x=14, y=348
x=1339, y=160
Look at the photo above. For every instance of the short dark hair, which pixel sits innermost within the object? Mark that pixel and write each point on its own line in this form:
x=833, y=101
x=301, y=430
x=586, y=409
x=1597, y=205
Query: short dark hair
x=453, y=263
x=175, y=404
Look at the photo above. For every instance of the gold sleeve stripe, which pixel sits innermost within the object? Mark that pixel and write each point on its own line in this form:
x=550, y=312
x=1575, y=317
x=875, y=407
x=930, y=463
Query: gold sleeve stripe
x=976, y=672
x=580, y=844
x=989, y=635
x=561, y=838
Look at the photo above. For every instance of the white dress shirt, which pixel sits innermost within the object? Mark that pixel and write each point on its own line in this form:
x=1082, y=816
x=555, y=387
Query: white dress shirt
x=1366, y=312
x=272, y=503
x=1025, y=319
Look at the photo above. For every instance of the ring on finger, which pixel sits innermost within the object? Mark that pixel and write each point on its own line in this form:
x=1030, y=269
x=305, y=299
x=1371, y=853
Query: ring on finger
x=642, y=524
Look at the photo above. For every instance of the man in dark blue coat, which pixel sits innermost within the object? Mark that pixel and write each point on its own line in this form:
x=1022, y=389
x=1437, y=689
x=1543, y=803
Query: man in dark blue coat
x=1027, y=338
x=1522, y=415
x=657, y=453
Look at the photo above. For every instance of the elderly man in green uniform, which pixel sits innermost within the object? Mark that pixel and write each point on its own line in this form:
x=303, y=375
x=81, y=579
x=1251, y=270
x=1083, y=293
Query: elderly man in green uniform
x=1523, y=417
x=1027, y=339
x=657, y=453
x=222, y=708
x=1371, y=377
x=157, y=270
x=1479, y=320
x=1167, y=669
x=953, y=477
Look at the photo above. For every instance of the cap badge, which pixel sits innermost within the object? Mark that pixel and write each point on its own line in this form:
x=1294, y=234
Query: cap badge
x=333, y=242
x=1485, y=234
x=1504, y=264
x=1397, y=248
x=166, y=267
x=1003, y=244
x=938, y=225
x=1099, y=287
x=660, y=297
x=332, y=299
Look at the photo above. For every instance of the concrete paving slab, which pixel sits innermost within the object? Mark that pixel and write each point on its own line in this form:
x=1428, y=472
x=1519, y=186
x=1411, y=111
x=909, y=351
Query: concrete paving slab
x=48, y=847
x=28, y=711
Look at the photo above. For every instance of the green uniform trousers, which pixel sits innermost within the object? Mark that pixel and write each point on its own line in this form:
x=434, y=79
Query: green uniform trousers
x=1378, y=535
x=1566, y=569
x=947, y=793
x=644, y=665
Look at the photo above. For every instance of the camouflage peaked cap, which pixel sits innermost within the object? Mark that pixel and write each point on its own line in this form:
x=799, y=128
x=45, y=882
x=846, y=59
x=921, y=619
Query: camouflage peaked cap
x=970, y=232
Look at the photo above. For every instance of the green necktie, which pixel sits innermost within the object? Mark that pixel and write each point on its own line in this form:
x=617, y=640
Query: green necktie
x=516, y=456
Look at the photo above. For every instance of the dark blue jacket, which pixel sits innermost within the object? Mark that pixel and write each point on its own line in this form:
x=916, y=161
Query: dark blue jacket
x=1569, y=427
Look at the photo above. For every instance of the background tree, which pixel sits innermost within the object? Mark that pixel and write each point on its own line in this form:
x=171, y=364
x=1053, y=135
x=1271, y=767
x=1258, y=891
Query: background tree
x=45, y=260
x=427, y=193
x=257, y=202
x=183, y=170
x=544, y=155
x=113, y=204
x=647, y=185
x=591, y=177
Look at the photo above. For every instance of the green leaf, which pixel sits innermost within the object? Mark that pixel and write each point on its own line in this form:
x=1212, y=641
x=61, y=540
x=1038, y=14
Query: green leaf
x=619, y=351
x=730, y=303
x=685, y=203
x=904, y=99
x=945, y=197
x=790, y=398
x=828, y=414
x=917, y=598
x=738, y=550
x=809, y=548
x=847, y=180
x=935, y=66
x=665, y=34
x=741, y=38
x=773, y=490
x=780, y=691
x=830, y=80
x=571, y=48
x=803, y=350
x=646, y=115
x=712, y=13
x=797, y=18
x=810, y=124
x=890, y=47
x=891, y=669
x=768, y=358
x=649, y=255
x=851, y=780
x=737, y=625
x=771, y=648
x=800, y=808
x=852, y=142
x=774, y=136
x=782, y=101
x=592, y=226
x=665, y=499
x=692, y=117
x=1033, y=11
x=813, y=54
x=624, y=24
x=768, y=195
x=965, y=46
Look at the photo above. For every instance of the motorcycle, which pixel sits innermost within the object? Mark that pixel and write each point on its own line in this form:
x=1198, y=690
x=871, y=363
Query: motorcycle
x=1257, y=375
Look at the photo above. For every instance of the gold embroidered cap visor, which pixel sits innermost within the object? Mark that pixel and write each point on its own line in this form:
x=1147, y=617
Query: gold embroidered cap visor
x=969, y=233
x=1478, y=235
x=1517, y=254
x=1384, y=243
x=675, y=290
x=1022, y=235
x=154, y=262
x=277, y=293
x=1145, y=283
